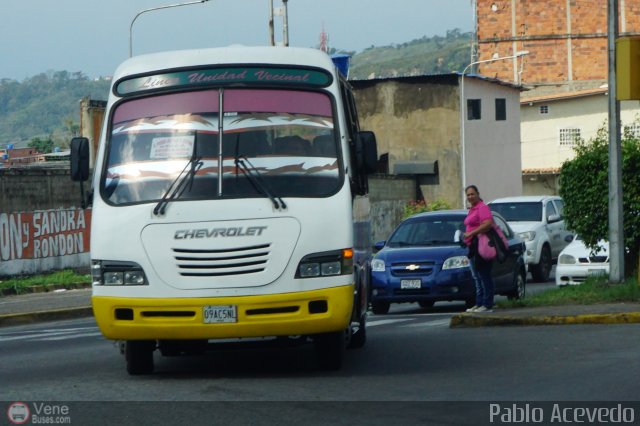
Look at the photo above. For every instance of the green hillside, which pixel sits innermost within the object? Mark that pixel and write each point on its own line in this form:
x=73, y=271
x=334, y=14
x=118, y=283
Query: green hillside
x=428, y=55
x=46, y=106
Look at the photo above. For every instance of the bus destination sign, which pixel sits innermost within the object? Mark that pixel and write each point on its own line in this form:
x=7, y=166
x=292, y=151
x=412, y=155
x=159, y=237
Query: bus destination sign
x=225, y=76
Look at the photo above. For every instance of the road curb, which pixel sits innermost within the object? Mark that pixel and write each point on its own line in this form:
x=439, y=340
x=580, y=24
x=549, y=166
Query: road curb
x=11, y=291
x=58, y=314
x=488, y=320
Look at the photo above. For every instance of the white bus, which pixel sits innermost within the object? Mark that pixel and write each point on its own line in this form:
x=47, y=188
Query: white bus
x=222, y=203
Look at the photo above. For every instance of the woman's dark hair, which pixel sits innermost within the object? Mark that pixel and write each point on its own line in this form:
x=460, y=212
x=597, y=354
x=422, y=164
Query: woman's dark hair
x=475, y=188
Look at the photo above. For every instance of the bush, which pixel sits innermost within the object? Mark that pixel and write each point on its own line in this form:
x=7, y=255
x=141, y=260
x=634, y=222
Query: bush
x=584, y=187
x=421, y=206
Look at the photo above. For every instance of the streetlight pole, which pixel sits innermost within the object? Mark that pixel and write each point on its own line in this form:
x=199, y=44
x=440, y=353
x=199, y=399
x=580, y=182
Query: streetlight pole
x=462, y=115
x=151, y=9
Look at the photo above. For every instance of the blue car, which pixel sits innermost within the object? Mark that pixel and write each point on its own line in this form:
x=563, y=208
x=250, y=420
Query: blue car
x=424, y=262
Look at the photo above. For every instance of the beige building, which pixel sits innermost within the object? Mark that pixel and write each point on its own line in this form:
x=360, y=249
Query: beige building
x=552, y=123
x=421, y=131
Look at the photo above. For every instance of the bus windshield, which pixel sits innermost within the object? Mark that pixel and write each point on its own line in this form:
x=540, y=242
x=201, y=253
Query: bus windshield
x=285, y=136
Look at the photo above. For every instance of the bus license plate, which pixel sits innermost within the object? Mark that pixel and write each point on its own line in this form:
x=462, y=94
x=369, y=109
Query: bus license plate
x=410, y=284
x=214, y=314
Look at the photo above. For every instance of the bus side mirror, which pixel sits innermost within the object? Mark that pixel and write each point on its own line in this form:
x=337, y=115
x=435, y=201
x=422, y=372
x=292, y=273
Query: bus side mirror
x=367, y=152
x=79, y=159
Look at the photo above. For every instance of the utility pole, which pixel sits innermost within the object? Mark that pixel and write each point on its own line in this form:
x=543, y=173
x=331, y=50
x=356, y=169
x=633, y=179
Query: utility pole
x=284, y=13
x=616, y=217
x=272, y=38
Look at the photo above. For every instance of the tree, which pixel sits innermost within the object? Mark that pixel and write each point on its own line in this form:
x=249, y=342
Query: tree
x=584, y=187
x=43, y=146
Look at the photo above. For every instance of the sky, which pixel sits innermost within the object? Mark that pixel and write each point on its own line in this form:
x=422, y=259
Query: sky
x=92, y=36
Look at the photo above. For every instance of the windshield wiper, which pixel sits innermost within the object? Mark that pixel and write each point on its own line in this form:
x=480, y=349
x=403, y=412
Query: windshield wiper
x=258, y=181
x=181, y=182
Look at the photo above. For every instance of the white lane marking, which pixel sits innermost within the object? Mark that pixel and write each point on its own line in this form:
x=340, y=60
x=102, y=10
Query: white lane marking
x=387, y=321
x=71, y=336
x=429, y=324
x=42, y=334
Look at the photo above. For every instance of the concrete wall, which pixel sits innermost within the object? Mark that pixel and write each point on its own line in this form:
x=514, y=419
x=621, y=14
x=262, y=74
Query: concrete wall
x=28, y=189
x=388, y=195
x=541, y=184
x=416, y=119
x=42, y=227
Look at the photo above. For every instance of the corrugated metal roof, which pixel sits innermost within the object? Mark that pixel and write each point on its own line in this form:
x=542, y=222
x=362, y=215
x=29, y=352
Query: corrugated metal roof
x=565, y=95
x=452, y=77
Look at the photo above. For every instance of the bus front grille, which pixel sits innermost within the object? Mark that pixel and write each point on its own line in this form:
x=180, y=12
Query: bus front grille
x=221, y=262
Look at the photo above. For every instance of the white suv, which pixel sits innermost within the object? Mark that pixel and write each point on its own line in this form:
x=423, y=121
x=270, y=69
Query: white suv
x=538, y=219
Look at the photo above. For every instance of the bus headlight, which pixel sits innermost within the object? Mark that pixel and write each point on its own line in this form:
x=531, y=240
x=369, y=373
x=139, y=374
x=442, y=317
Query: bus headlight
x=338, y=262
x=105, y=272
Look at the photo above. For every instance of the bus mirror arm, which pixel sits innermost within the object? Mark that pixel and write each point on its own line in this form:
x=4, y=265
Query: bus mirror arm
x=365, y=160
x=79, y=165
x=367, y=152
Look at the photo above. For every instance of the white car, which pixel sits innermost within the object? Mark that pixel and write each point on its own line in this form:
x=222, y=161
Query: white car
x=538, y=219
x=577, y=262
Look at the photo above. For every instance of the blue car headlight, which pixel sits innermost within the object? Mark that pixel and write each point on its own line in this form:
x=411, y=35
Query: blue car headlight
x=456, y=262
x=377, y=265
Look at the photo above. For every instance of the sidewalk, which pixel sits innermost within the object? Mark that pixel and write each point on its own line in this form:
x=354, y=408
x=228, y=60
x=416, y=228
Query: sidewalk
x=604, y=313
x=66, y=304
x=49, y=306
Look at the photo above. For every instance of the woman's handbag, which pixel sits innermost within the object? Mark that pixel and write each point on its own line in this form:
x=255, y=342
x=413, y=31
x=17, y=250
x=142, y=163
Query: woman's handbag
x=486, y=247
x=500, y=242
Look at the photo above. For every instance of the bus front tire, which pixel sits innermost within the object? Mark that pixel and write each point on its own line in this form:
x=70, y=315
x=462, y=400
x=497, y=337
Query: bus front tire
x=330, y=350
x=359, y=336
x=139, y=356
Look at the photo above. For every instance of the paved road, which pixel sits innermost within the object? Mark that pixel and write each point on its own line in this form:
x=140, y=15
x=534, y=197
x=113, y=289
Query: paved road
x=408, y=357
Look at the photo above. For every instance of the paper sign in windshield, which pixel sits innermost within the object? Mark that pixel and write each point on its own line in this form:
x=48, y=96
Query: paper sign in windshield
x=171, y=147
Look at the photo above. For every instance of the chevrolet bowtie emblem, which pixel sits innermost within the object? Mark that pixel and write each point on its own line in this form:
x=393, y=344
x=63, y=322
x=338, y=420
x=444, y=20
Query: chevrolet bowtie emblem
x=412, y=267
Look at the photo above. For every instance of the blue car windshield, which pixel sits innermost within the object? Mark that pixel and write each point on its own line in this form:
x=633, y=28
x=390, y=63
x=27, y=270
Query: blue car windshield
x=427, y=232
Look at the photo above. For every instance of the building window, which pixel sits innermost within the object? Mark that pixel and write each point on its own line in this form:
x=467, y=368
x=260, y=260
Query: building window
x=634, y=130
x=544, y=109
x=569, y=136
x=474, y=109
x=501, y=109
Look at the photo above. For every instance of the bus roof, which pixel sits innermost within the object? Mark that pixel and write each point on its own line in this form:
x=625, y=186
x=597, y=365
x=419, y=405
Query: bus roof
x=235, y=54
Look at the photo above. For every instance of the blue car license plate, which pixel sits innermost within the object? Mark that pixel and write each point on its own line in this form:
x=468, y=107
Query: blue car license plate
x=410, y=283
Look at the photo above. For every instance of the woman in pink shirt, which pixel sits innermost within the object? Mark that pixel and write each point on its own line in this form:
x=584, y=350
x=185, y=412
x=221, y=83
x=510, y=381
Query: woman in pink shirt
x=479, y=220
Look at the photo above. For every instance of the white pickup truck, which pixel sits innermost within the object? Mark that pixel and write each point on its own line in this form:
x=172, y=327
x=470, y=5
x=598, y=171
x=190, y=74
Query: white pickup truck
x=539, y=221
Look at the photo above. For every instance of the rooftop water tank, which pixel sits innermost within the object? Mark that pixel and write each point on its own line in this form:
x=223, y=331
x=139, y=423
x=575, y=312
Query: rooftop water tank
x=341, y=61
